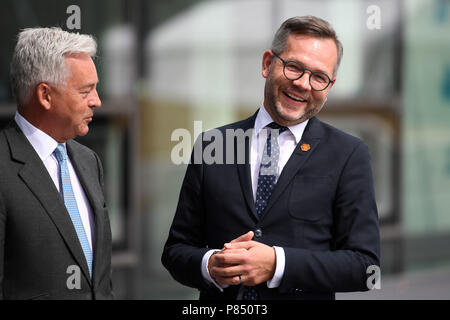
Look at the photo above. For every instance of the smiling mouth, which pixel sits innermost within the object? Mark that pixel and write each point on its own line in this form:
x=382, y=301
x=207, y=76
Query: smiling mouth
x=294, y=97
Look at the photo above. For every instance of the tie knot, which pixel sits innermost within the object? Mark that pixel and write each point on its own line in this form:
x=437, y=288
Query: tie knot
x=276, y=126
x=60, y=152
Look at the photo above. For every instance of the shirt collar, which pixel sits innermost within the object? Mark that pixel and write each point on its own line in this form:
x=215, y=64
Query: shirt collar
x=41, y=142
x=263, y=118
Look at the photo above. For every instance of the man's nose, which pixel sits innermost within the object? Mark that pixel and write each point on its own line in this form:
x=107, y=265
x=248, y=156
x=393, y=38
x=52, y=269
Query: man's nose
x=94, y=100
x=303, y=81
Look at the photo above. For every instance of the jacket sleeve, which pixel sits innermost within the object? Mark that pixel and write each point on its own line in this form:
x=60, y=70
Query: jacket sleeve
x=2, y=242
x=186, y=243
x=102, y=186
x=356, y=243
x=100, y=173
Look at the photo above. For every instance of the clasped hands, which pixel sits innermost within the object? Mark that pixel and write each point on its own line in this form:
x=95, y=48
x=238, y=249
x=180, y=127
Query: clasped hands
x=243, y=261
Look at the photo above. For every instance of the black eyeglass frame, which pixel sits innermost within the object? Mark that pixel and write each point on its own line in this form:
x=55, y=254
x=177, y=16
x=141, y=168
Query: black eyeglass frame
x=301, y=67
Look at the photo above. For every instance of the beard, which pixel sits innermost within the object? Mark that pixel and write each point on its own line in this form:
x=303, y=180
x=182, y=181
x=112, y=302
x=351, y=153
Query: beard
x=279, y=111
x=312, y=108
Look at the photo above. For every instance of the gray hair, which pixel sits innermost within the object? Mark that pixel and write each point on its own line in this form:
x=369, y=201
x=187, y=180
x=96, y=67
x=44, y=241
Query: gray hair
x=39, y=56
x=307, y=25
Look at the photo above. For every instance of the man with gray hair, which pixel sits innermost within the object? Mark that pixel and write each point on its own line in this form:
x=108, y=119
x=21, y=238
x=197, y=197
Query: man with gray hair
x=297, y=220
x=55, y=235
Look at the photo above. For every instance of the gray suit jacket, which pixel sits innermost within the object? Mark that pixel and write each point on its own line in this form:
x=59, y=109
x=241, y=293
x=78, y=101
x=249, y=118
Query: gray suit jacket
x=40, y=254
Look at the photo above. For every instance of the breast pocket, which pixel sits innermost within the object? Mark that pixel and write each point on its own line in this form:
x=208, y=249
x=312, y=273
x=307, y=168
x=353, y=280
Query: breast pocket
x=311, y=198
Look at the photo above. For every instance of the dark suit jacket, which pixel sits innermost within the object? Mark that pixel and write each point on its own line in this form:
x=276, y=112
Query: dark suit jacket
x=322, y=212
x=37, y=239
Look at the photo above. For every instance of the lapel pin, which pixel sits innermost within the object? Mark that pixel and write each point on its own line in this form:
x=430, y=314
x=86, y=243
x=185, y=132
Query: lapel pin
x=305, y=147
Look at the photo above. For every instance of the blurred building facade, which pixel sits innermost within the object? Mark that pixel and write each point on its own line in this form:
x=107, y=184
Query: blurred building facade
x=165, y=64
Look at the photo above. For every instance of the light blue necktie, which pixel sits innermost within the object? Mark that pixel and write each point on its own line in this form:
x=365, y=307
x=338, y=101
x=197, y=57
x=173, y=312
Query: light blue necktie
x=71, y=204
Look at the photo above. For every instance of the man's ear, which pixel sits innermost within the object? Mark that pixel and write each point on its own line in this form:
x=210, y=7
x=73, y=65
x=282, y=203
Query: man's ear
x=43, y=93
x=266, y=63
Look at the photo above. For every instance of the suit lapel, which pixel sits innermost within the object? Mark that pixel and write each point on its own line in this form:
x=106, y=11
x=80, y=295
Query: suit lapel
x=311, y=136
x=36, y=177
x=86, y=175
x=244, y=168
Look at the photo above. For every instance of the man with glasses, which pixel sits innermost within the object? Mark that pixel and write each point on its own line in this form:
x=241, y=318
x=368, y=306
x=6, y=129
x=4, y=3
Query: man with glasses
x=298, y=219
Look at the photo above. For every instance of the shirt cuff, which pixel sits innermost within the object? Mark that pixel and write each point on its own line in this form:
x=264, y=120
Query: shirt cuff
x=279, y=268
x=205, y=271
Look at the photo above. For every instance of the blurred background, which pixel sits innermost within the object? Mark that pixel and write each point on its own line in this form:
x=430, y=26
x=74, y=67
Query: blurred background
x=164, y=64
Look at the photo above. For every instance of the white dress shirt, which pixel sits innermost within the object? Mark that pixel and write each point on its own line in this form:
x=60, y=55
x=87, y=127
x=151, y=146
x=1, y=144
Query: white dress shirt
x=44, y=146
x=287, y=141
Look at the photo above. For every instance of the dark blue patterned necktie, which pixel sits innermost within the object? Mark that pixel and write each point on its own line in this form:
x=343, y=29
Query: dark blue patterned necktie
x=269, y=167
x=266, y=182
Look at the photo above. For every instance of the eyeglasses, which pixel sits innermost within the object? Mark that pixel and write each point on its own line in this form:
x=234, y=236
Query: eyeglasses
x=293, y=70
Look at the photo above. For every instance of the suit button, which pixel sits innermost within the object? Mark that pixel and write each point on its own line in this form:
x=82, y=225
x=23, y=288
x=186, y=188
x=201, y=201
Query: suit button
x=258, y=233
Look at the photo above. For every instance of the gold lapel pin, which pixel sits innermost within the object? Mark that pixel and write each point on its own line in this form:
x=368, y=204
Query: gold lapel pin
x=305, y=147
